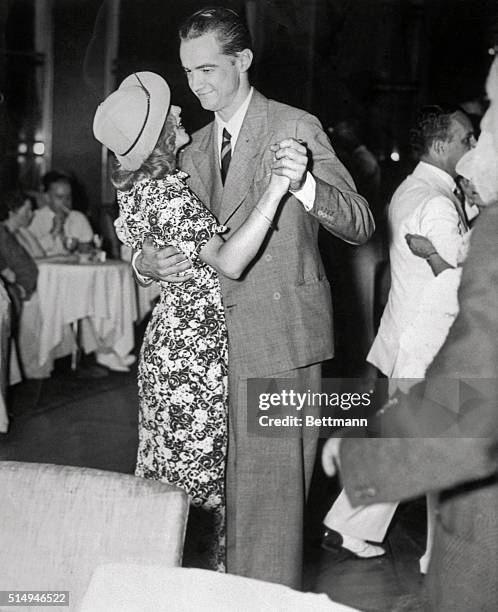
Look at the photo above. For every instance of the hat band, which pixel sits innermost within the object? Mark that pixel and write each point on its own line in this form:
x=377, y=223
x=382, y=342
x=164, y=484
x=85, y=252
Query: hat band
x=145, y=120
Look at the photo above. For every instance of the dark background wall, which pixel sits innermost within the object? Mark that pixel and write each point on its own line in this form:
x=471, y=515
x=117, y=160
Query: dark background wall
x=149, y=41
x=376, y=59
x=78, y=88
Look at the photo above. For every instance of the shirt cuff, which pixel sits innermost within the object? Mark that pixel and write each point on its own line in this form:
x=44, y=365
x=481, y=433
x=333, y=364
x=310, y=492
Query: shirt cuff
x=145, y=280
x=306, y=195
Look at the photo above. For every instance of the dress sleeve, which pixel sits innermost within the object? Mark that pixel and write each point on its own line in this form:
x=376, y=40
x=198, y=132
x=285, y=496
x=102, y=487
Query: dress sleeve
x=129, y=224
x=167, y=212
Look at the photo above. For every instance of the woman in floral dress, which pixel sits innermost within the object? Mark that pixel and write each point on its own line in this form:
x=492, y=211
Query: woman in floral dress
x=182, y=374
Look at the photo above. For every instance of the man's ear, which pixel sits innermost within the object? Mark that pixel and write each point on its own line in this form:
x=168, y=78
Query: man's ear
x=439, y=147
x=244, y=59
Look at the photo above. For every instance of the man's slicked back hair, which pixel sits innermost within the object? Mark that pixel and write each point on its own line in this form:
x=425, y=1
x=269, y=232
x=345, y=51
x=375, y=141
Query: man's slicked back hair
x=431, y=123
x=229, y=29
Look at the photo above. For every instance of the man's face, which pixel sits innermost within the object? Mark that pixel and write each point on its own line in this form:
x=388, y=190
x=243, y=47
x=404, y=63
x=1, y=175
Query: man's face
x=460, y=140
x=60, y=197
x=212, y=76
x=489, y=122
x=24, y=214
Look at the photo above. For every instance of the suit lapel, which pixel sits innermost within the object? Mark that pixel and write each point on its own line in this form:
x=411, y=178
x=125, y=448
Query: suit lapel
x=207, y=184
x=245, y=157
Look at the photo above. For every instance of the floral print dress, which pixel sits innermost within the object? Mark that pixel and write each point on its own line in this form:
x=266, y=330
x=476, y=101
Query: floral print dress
x=182, y=372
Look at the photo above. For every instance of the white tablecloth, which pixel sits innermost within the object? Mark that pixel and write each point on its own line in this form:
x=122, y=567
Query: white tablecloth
x=119, y=587
x=101, y=296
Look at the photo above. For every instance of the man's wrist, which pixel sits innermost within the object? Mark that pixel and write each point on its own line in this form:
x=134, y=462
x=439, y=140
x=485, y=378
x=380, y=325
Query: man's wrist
x=136, y=261
x=306, y=194
x=297, y=185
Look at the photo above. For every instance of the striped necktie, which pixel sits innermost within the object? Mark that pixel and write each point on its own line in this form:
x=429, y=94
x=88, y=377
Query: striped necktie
x=226, y=154
x=460, y=196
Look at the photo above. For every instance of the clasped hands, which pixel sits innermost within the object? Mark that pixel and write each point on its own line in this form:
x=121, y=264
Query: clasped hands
x=290, y=160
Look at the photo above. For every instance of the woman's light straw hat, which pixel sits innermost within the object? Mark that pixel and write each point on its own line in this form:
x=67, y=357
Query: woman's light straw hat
x=129, y=121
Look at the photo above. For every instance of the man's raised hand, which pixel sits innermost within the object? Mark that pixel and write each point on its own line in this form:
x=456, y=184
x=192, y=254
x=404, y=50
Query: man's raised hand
x=291, y=160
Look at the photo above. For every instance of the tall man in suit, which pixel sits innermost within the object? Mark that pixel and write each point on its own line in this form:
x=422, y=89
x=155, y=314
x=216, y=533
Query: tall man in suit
x=279, y=315
x=464, y=564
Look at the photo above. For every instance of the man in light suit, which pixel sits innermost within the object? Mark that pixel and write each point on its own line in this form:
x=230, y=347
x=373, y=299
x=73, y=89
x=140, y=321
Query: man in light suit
x=463, y=570
x=279, y=315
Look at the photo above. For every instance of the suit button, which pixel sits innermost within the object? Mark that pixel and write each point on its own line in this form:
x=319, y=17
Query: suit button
x=268, y=257
x=320, y=213
x=370, y=491
x=276, y=295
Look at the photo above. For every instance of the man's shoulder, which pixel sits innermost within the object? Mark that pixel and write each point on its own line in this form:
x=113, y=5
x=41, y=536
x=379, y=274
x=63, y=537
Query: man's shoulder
x=201, y=133
x=42, y=219
x=77, y=215
x=44, y=211
x=417, y=188
x=286, y=110
x=280, y=114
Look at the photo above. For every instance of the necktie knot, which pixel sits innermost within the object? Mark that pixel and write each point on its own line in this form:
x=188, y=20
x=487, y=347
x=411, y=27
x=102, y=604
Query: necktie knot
x=226, y=153
x=227, y=137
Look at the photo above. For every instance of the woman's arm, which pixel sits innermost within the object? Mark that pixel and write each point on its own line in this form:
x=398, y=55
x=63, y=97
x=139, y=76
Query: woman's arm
x=231, y=257
x=423, y=247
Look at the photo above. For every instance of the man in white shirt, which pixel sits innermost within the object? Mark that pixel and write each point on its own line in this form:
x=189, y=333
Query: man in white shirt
x=462, y=573
x=56, y=222
x=279, y=315
x=426, y=204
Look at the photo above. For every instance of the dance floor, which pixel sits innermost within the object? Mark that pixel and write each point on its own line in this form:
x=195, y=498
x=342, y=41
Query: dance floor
x=92, y=422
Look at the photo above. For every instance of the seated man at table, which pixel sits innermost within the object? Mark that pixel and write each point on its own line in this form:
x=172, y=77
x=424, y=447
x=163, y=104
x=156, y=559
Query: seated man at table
x=55, y=224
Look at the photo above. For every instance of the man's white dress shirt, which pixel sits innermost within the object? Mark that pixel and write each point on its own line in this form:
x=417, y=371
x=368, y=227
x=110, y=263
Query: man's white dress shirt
x=423, y=204
x=76, y=225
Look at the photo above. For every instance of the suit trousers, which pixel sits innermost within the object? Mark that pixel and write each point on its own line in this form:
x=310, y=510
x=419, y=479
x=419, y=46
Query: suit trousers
x=267, y=483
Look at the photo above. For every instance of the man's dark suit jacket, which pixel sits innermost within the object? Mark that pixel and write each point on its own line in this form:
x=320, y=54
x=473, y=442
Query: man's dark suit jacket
x=463, y=574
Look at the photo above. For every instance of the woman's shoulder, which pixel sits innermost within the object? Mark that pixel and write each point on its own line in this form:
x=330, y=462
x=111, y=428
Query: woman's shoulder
x=165, y=183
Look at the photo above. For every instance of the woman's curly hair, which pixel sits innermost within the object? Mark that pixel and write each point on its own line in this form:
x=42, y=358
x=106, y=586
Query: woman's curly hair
x=431, y=123
x=161, y=161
